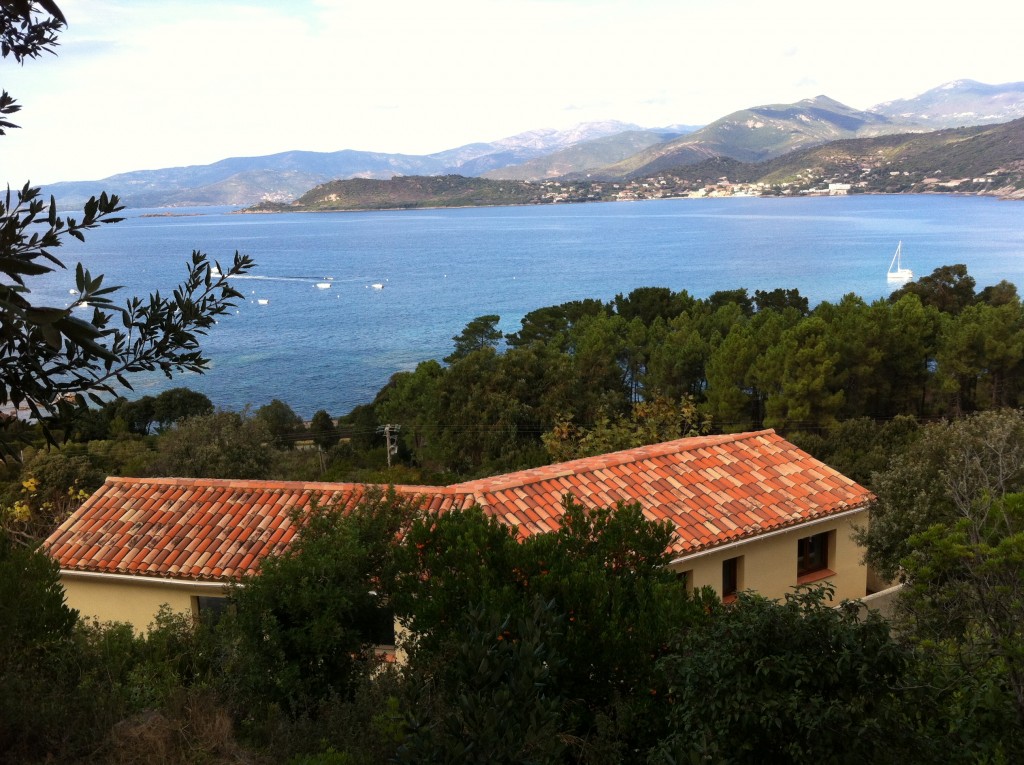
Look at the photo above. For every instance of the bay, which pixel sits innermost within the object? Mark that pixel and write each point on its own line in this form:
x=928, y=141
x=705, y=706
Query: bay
x=335, y=348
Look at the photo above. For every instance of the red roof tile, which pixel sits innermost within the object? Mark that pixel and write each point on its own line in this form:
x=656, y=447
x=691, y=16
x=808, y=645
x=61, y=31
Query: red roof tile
x=713, y=489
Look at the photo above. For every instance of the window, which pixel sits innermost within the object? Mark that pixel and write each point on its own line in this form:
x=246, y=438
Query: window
x=731, y=572
x=686, y=577
x=209, y=609
x=812, y=554
x=381, y=627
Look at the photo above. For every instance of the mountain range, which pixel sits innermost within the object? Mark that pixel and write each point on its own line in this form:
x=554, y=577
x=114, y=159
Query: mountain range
x=609, y=150
x=982, y=159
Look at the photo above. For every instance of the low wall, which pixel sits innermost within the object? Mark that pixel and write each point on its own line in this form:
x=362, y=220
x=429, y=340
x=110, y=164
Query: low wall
x=884, y=602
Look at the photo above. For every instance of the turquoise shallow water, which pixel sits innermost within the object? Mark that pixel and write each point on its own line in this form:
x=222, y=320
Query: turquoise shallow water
x=334, y=348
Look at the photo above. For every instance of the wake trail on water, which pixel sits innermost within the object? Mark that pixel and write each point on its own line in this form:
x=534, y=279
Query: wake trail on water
x=314, y=279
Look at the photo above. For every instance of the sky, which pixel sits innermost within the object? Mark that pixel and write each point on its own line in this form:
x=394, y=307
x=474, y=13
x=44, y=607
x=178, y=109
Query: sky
x=147, y=84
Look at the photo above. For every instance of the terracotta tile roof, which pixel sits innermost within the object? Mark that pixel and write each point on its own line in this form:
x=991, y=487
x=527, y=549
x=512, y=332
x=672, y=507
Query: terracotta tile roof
x=713, y=489
x=195, y=528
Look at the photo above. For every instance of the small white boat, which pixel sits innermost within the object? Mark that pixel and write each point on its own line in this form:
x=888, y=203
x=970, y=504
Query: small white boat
x=72, y=292
x=323, y=285
x=263, y=301
x=215, y=272
x=377, y=286
x=897, y=273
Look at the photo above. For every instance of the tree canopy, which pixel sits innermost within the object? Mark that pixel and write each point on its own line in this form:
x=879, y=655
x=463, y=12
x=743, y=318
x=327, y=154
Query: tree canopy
x=732, y=361
x=797, y=681
x=218, y=445
x=281, y=421
x=482, y=332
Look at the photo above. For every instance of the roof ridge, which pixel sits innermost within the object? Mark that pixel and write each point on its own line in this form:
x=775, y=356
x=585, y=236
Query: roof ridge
x=269, y=484
x=504, y=480
x=604, y=461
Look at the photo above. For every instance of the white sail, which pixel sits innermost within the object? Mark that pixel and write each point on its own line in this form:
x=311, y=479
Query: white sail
x=896, y=270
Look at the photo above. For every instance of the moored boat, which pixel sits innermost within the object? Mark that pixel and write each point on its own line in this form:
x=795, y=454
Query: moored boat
x=897, y=273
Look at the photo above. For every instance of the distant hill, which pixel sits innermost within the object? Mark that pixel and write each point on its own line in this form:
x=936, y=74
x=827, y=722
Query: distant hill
x=244, y=180
x=480, y=158
x=583, y=156
x=986, y=159
x=408, y=192
x=286, y=176
x=608, y=149
x=959, y=104
x=759, y=133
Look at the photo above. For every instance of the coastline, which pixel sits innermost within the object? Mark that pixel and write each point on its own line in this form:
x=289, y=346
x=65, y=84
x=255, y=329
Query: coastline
x=998, y=194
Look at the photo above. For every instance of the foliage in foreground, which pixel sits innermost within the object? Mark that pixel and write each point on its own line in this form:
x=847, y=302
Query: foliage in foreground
x=497, y=700
x=575, y=646
x=311, y=618
x=949, y=522
x=954, y=470
x=964, y=604
x=799, y=681
x=598, y=596
x=79, y=691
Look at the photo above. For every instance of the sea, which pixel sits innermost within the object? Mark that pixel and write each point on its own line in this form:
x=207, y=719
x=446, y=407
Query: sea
x=403, y=283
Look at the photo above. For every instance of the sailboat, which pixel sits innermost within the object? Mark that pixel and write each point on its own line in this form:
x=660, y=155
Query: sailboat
x=897, y=273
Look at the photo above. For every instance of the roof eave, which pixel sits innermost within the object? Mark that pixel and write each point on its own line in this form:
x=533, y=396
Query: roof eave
x=756, y=536
x=191, y=584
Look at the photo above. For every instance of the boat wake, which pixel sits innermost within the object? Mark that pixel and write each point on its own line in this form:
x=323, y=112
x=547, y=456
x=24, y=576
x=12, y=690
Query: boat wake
x=312, y=279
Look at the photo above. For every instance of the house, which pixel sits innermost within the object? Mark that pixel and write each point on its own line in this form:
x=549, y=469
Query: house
x=750, y=511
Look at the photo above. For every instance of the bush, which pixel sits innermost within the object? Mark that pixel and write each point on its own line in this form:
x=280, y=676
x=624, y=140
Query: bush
x=799, y=681
x=495, y=700
x=36, y=646
x=308, y=622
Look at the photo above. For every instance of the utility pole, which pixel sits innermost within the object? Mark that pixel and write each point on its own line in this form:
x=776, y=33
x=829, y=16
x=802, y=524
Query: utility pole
x=391, y=437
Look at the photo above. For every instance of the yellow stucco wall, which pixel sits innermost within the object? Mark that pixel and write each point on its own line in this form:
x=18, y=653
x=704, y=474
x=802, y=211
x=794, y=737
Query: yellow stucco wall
x=769, y=562
x=769, y=566
x=123, y=600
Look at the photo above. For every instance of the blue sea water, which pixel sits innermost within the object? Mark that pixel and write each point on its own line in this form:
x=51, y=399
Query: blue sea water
x=335, y=348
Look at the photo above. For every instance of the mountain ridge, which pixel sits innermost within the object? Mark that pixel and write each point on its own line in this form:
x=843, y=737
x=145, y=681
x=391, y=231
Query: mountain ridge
x=957, y=104
x=760, y=133
x=601, y=149
x=983, y=160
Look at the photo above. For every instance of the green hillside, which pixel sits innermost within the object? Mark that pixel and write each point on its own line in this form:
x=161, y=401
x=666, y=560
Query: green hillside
x=915, y=162
x=409, y=192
